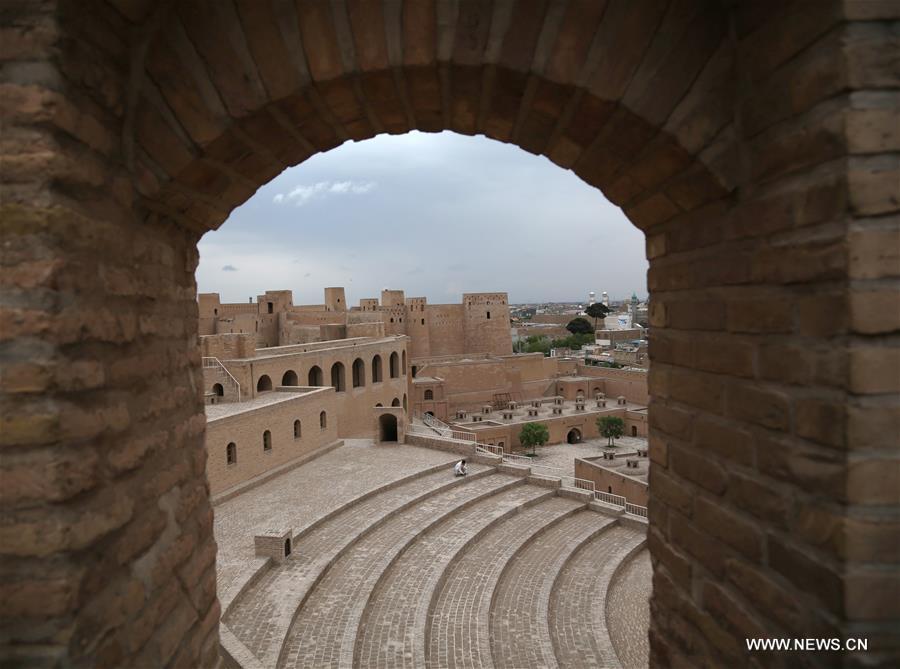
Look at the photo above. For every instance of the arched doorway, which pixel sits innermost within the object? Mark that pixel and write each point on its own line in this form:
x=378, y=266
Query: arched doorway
x=315, y=377
x=574, y=436
x=646, y=101
x=395, y=402
x=263, y=384
x=376, y=369
x=359, y=373
x=289, y=378
x=218, y=390
x=394, y=365
x=338, y=379
x=387, y=427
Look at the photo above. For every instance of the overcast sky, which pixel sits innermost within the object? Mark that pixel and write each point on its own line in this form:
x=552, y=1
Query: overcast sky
x=432, y=214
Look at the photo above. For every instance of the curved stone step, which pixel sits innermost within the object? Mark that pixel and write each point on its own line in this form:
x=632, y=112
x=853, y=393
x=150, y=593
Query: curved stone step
x=457, y=634
x=324, y=631
x=391, y=633
x=231, y=584
x=262, y=614
x=519, y=629
x=628, y=610
x=577, y=612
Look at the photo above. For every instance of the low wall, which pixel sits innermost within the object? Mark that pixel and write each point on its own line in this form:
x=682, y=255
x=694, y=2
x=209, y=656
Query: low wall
x=610, y=481
x=246, y=425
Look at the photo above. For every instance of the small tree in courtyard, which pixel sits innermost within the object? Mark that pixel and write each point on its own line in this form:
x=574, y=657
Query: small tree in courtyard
x=580, y=326
x=533, y=435
x=611, y=428
x=597, y=310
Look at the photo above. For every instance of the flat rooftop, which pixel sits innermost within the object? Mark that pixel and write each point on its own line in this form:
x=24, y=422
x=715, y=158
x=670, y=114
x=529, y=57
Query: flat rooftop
x=225, y=409
x=545, y=412
x=620, y=464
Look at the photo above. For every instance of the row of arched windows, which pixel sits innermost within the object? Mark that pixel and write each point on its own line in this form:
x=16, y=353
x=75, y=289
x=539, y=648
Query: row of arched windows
x=231, y=448
x=338, y=378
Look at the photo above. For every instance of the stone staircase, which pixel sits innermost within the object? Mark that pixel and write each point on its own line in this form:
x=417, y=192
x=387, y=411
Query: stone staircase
x=494, y=569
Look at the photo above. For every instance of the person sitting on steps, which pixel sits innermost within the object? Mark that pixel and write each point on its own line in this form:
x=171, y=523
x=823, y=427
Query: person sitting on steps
x=460, y=468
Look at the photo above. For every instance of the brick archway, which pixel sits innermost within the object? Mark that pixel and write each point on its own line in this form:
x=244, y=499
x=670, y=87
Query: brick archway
x=727, y=133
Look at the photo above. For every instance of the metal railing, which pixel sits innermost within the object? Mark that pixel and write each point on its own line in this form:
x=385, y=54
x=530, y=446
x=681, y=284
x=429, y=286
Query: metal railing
x=489, y=449
x=636, y=510
x=609, y=498
x=210, y=362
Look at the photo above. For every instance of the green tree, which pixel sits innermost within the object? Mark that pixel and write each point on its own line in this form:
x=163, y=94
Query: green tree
x=611, y=428
x=534, y=434
x=580, y=326
x=597, y=310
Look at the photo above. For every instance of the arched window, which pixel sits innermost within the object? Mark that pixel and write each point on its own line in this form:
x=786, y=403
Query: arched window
x=395, y=402
x=376, y=369
x=323, y=420
x=231, y=454
x=403, y=366
x=404, y=401
x=429, y=394
x=297, y=430
x=379, y=405
x=359, y=373
x=267, y=441
x=337, y=377
x=290, y=378
x=315, y=376
x=218, y=389
x=263, y=384
x=395, y=365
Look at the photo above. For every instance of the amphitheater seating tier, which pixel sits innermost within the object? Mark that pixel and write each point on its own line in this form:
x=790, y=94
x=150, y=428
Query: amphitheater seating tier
x=439, y=571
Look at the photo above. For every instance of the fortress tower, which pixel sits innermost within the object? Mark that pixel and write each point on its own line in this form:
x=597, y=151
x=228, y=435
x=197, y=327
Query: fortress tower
x=335, y=300
x=486, y=323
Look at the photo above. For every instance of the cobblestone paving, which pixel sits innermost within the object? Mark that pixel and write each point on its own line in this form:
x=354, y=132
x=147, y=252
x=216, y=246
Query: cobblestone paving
x=628, y=611
x=260, y=618
x=301, y=496
x=325, y=630
x=458, y=632
x=393, y=627
x=577, y=605
x=563, y=455
x=519, y=634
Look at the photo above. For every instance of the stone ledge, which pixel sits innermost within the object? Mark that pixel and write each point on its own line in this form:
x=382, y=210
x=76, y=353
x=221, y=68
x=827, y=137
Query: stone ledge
x=574, y=493
x=544, y=481
x=515, y=470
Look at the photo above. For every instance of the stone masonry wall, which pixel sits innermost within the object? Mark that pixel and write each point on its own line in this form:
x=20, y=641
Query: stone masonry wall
x=245, y=430
x=754, y=144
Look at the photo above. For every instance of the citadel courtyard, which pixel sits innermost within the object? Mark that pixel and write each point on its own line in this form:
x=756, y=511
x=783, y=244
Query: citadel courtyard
x=188, y=482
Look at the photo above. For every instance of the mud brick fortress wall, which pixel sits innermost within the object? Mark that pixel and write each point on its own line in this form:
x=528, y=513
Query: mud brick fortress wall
x=380, y=378
x=754, y=144
x=480, y=324
x=469, y=382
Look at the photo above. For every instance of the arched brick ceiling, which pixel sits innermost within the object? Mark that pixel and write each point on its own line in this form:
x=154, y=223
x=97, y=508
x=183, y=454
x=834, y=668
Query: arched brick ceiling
x=635, y=98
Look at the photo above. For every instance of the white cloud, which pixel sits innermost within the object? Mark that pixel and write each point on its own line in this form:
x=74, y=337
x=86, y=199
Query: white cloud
x=303, y=194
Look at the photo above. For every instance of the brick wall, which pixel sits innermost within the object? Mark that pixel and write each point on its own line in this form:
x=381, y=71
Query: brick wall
x=245, y=429
x=607, y=480
x=753, y=143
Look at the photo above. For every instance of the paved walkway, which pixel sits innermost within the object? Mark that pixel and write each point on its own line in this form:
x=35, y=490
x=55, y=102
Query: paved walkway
x=563, y=455
x=301, y=496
